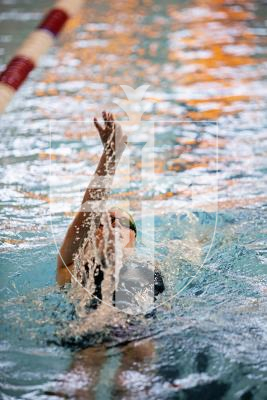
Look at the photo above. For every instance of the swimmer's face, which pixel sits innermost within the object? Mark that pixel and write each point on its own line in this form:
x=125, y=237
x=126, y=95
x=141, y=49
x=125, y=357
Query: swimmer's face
x=118, y=227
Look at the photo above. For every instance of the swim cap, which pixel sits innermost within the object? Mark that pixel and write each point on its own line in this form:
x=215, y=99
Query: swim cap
x=132, y=224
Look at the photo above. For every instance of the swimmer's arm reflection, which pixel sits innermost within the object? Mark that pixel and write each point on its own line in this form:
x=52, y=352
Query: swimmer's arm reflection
x=97, y=190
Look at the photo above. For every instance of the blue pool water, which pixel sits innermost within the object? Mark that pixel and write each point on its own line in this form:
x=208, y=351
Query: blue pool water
x=205, y=63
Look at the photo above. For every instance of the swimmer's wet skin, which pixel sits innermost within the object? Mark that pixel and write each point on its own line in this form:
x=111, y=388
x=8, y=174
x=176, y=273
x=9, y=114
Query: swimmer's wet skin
x=116, y=219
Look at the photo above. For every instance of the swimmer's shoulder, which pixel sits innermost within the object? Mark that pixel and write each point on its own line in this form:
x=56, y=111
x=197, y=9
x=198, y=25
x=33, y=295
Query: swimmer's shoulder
x=64, y=273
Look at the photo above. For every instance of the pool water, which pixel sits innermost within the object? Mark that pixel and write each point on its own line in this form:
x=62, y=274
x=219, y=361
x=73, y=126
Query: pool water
x=205, y=63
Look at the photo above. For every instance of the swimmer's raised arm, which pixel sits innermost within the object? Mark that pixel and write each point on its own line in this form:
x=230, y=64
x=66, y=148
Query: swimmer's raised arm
x=114, y=143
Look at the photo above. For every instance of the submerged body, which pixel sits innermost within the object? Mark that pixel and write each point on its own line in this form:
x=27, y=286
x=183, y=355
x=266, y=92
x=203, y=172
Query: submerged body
x=126, y=286
x=100, y=243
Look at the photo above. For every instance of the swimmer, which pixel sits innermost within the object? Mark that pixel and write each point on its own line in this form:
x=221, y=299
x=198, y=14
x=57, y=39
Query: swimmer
x=107, y=224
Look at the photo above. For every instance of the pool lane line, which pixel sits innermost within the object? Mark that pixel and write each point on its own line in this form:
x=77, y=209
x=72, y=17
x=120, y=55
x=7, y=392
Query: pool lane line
x=36, y=44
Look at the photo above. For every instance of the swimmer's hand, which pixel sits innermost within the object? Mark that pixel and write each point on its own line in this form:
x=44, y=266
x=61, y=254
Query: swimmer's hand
x=112, y=137
x=114, y=142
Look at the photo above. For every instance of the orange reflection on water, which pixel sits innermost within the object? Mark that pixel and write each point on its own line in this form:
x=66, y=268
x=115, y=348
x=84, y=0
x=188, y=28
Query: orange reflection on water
x=213, y=43
x=200, y=60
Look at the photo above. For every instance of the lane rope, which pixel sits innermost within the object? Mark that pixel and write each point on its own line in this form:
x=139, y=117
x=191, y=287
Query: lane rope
x=36, y=44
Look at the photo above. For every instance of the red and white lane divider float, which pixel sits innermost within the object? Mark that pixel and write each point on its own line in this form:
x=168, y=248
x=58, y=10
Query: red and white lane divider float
x=38, y=42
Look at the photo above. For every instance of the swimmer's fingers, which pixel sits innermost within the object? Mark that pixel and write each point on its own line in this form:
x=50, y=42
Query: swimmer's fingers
x=105, y=118
x=110, y=120
x=103, y=132
x=111, y=134
x=98, y=126
x=111, y=131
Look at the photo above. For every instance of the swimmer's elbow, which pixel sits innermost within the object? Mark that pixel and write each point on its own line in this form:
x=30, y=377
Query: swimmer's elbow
x=60, y=262
x=64, y=272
